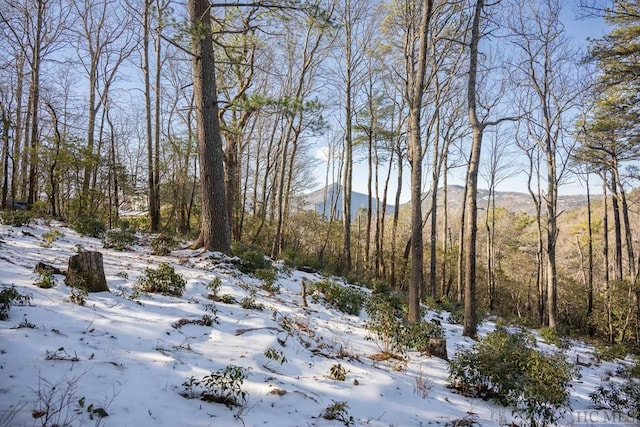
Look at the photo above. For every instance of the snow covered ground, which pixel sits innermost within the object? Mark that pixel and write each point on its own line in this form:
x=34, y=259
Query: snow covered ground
x=130, y=358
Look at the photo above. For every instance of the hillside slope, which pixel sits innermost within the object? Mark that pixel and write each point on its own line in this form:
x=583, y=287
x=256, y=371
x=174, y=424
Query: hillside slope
x=130, y=356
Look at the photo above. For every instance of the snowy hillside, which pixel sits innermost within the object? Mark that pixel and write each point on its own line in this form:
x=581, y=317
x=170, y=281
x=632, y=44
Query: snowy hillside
x=129, y=356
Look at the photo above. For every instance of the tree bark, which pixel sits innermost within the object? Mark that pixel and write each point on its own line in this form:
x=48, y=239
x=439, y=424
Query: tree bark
x=415, y=109
x=470, y=317
x=86, y=271
x=154, y=214
x=215, y=234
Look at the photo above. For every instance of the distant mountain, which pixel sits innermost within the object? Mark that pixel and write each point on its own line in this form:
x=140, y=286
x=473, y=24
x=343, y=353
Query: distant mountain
x=321, y=200
x=512, y=200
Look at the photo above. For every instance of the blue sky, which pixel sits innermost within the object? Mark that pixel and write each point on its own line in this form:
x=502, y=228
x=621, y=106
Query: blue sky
x=579, y=30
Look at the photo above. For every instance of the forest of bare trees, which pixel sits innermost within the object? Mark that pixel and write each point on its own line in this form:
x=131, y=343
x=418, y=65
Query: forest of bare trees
x=206, y=120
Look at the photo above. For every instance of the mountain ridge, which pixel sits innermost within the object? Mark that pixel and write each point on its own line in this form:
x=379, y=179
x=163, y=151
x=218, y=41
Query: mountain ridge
x=321, y=200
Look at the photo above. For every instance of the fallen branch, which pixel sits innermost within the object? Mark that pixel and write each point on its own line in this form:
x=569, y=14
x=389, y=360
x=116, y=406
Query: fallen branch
x=244, y=331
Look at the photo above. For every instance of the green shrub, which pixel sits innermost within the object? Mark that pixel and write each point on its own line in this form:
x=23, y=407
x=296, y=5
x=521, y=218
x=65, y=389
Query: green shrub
x=163, y=280
x=338, y=372
x=275, y=355
x=387, y=322
x=249, y=302
x=504, y=366
x=49, y=237
x=78, y=296
x=343, y=298
x=552, y=336
x=294, y=258
x=16, y=218
x=46, y=280
x=380, y=287
x=454, y=308
x=91, y=227
x=9, y=296
x=223, y=386
x=120, y=240
x=612, y=352
x=338, y=411
x=623, y=398
x=214, y=286
x=250, y=258
x=135, y=223
x=628, y=371
x=163, y=244
x=268, y=277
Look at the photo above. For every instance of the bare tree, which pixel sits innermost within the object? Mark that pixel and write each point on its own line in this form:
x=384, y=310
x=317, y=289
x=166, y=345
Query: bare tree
x=415, y=90
x=105, y=40
x=36, y=28
x=495, y=172
x=547, y=69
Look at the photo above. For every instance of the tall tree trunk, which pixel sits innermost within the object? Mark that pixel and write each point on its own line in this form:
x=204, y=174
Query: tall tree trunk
x=17, y=140
x=469, y=327
x=433, y=242
x=605, y=254
x=552, y=235
x=396, y=214
x=624, y=211
x=157, y=119
x=53, y=166
x=416, y=151
x=35, y=101
x=617, y=233
x=348, y=142
x=154, y=217
x=5, y=118
x=590, y=291
x=215, y=234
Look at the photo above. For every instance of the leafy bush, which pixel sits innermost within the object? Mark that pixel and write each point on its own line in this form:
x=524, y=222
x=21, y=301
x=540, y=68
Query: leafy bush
x=163, y=280
x=223, y=386
x=120, y=240
x=623, y=398
x=628, y=371
x=9, y=296
x=337, y=372
x=88, y=226
x=296, y=258
x=16, y=218
x=251, y=258
x=344, y=298
x=50, y=236
x=504, y=366
x=380, y=287
x=46, y=280
x=551, y=336
x=78, y=296
x=454, y=308
x=338, y=411
x=611, y=352
x=386, y=321
x=275, y=355
x=268, y=277
x=163, y=244
x=249, y=302
x=214, y=286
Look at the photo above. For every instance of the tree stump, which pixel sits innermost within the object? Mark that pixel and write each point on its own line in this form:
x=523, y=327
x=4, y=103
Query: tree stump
x=438, y=348
x=86, y=271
